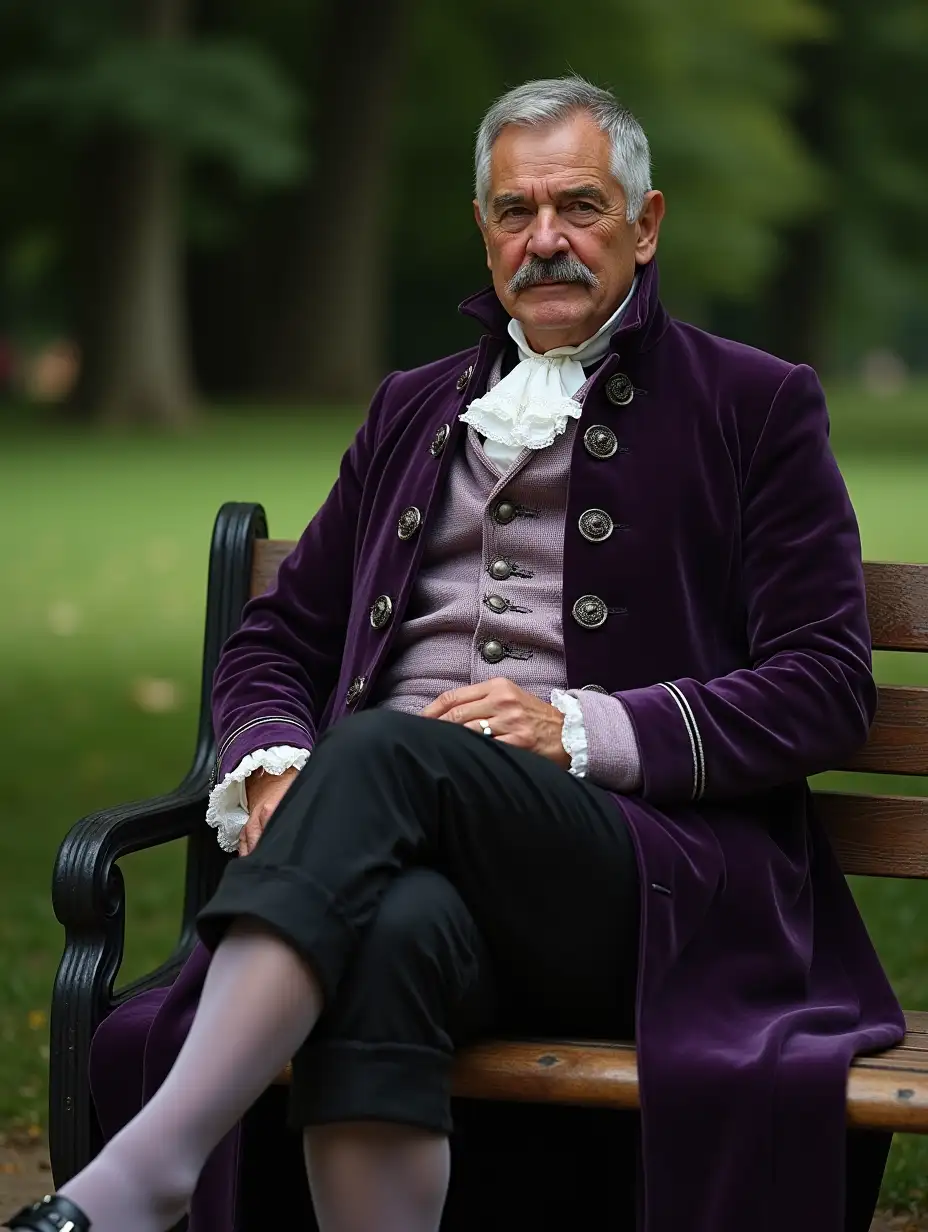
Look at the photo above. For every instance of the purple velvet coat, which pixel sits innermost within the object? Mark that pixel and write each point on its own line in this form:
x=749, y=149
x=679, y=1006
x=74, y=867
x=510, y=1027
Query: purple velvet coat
x=738, y=640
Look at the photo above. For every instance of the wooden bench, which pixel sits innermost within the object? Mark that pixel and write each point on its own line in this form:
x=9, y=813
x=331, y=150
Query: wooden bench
x=884, y=836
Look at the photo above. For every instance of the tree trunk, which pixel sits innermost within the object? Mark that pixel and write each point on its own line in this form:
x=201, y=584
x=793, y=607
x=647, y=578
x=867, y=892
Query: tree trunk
x=800, y=294
x=327, y=343
x=132, y=332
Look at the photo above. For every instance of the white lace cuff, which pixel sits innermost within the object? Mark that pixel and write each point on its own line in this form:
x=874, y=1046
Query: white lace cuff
x=227, y=810
x=573, y=733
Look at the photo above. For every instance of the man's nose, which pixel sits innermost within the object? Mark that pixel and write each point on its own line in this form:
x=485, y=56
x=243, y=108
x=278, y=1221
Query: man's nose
x=547, y=239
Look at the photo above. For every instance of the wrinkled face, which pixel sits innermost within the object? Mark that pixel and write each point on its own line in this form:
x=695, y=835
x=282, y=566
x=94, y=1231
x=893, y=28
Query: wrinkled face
x=562, y=255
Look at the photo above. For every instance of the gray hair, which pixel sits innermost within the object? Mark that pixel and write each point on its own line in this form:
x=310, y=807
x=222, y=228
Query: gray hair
x=553, y=100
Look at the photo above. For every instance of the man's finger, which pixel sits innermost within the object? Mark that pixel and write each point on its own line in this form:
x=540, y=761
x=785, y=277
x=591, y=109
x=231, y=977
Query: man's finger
x=465, y=715
x=455, y=697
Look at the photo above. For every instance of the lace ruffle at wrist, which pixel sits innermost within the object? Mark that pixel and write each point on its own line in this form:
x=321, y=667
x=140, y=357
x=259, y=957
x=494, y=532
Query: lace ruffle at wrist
x=573, y=733
x=227, y=810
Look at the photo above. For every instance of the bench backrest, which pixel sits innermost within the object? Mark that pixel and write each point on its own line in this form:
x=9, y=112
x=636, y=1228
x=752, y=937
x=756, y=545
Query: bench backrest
x=876, y=835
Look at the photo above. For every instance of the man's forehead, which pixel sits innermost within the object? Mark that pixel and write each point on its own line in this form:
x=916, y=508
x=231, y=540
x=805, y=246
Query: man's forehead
x=551, y=158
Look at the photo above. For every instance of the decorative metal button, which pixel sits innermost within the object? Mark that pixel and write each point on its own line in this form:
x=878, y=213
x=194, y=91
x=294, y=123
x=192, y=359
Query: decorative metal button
x=464, y=379
x=504, y=512
x=590, y=611
x=595, y=525
x=600, y=441
x=497, y=604
x=594, y=688
x=493, y=651
x=409, y=522
x=381, y=612
x=500, y=569
x=439, y=440
x=355, y=689
x=620, y=390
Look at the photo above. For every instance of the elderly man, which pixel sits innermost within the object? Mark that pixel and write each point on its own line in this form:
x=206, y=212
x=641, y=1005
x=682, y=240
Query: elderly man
x=524, y=727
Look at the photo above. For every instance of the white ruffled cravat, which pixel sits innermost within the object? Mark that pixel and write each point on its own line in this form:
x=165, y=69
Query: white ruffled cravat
x=530, y=407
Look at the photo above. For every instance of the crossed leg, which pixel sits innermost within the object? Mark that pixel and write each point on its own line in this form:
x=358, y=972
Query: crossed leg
x=506, y=893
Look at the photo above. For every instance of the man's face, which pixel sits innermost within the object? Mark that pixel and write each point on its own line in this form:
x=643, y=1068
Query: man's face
x=562, y=254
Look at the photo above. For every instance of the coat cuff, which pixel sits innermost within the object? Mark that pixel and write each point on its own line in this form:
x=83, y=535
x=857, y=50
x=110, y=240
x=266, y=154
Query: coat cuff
x=260, y=733
x=227, y=810
x=612, y=756
x=673, y=764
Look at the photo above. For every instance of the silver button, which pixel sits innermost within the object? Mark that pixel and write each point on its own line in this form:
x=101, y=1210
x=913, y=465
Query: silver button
x=381, y=612
x=464, y=379
x=593, y=688
x=595, y=525
x=409, y=522
x=590, y=611
x=497, y=604
x=500, y=569
x=600, y=441
x=504, y=512
x=355, y=689
x=493, y=651
x=439, y=440
x=620, y=390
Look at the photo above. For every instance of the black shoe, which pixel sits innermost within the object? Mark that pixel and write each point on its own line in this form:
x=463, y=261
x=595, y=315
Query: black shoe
x=52, y=1214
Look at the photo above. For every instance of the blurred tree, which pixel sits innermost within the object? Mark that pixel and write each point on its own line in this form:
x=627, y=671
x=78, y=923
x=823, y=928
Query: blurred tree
x=126, y=98
x=849, y=266
x=329, y=344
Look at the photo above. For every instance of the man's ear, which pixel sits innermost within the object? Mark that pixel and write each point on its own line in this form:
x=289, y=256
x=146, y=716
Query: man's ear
x=649, y=227
x=481, y=225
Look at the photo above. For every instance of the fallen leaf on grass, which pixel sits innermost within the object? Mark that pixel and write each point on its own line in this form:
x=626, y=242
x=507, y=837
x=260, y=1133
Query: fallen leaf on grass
x=155, y=696
x=63, y=618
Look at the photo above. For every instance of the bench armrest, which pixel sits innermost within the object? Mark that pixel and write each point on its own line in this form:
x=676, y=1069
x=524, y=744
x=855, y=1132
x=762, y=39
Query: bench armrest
x=88, y=890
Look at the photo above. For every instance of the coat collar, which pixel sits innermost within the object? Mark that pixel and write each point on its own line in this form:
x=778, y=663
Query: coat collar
x=642, y=326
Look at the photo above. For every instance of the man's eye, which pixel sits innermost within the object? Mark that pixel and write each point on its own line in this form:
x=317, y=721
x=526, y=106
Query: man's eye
x=583, y=207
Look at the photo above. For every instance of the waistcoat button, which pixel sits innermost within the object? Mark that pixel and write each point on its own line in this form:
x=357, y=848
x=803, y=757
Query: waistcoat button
x=500, y=570
x=619, y=389
x=504, y=512
x=593, y=688
x=600, y=441
x=381, y=612
x=409, y=522
x=439, y=441
x=497, y=604
x=595, y=525
x=492, y=651
x=590, y=611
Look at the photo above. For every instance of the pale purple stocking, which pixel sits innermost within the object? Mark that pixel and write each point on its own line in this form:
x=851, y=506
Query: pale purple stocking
x=260, y=1000
x=374, y=1177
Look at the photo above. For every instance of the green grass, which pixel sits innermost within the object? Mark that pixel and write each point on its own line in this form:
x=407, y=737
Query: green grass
x=104, y=565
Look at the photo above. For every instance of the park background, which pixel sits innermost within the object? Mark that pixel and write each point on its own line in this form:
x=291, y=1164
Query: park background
x=221, y=223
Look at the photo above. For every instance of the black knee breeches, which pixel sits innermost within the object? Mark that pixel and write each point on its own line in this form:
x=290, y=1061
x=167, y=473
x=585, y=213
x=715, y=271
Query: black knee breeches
x=442, y=886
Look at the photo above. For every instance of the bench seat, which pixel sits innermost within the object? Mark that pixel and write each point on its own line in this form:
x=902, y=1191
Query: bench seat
x=888, y=1090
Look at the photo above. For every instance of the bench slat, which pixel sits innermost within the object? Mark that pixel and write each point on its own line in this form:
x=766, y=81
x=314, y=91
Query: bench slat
x=268, y=557
x=884, y=1092
x=888, y=1090
x=898, y=741
x=897, y=604
x=897, y=595
x=877, y=836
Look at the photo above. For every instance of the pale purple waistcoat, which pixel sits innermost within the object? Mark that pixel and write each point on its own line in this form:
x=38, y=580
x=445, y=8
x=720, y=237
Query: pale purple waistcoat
x=454, y=613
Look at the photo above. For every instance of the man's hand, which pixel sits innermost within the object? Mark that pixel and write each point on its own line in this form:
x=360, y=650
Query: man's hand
x=515, y=717
x=263, y=792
